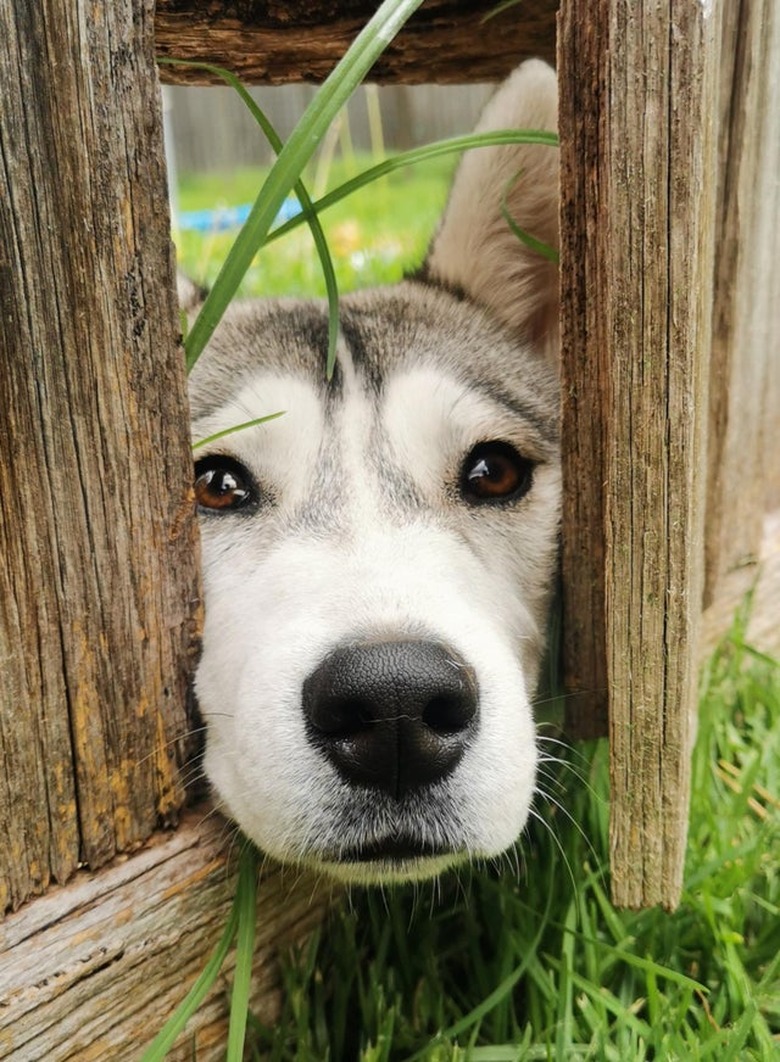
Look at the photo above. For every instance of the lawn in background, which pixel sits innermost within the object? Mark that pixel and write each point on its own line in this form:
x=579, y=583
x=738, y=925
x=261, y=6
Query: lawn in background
x=375, y=235
x=528, y=959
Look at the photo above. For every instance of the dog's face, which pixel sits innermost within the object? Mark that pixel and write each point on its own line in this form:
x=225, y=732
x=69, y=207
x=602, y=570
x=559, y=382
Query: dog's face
x=377, y=561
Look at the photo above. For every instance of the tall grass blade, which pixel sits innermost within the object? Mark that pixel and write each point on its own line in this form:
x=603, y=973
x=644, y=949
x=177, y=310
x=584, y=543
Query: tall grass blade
x=166, y=1037
x=500, y=992
x=336, y=90
x=448, y=146
x=236, y=427
x=246, y=901
x=531, y=242
x=320, y=243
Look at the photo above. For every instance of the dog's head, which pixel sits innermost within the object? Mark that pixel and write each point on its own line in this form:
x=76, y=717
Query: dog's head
x=377, y=561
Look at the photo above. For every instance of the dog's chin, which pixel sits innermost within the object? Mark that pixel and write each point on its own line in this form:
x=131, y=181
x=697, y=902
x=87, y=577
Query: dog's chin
x=388, y=862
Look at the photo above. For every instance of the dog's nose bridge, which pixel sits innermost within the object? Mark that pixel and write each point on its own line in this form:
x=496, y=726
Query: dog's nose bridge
x=392, y=715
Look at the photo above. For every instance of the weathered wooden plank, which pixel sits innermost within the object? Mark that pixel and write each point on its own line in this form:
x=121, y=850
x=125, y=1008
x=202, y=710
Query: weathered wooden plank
x=446, y=41
x=585, y=389
x=97, y=528
x=93, y=970
x=643, y=74
x=744, y=472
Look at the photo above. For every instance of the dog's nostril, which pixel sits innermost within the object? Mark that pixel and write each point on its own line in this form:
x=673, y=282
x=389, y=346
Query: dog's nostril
x=449, y=714
x=392, y=715
x=340, y=717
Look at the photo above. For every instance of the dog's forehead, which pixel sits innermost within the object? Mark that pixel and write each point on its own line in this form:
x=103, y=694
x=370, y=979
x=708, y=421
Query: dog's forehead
x=279, y=337
x=381, y=331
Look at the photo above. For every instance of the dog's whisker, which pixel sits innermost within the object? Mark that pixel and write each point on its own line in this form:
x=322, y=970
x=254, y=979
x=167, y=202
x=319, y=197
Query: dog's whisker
x=161, y=748
x=561, y=851
x=576, y=772
x=549, y=739
x=568, y=695
x=569, y=818
x=552, y=770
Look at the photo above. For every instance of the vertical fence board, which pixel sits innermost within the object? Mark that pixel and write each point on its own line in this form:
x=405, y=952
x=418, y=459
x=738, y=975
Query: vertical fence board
x=97, y=532
x=744, y=472
x=638, y=96
x=585, y=382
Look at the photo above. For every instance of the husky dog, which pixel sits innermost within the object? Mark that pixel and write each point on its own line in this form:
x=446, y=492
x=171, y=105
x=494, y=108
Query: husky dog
x=377, y=561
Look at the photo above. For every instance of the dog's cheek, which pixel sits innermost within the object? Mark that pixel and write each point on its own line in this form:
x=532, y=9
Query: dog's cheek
x=501, y=777
x=266, y=775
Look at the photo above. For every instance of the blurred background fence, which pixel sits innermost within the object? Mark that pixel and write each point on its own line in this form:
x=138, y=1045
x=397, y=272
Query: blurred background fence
x=211, y=129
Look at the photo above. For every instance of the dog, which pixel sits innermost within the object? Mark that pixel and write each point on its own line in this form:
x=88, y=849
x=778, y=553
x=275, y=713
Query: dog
x=378, y=560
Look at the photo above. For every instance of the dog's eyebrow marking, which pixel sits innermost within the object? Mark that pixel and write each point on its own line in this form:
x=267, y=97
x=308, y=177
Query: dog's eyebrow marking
x=545, y=423
x=357, y=343
x=400, y=493
x=407, y=323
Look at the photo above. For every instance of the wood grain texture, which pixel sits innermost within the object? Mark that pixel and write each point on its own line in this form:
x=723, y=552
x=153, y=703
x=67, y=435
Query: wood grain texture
x=93, y=970
x=642, y=77
x=446, y=41
x=585, y=382
x=97, y=531
x=744, y=470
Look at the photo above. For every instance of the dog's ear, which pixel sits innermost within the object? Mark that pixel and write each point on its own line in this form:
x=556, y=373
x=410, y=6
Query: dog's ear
x=475, y=249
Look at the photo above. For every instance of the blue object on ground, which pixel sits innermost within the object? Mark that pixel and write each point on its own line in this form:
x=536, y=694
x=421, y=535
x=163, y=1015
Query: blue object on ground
x=220, y=219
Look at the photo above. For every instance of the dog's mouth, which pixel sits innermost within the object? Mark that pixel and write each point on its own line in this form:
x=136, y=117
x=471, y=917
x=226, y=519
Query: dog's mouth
x=377, y=840
x=392, y=860
x=393, y=850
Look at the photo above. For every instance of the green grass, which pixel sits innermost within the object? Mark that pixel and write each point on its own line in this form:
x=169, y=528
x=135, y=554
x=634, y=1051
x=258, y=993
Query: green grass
x=375, y=235
x=499, y=964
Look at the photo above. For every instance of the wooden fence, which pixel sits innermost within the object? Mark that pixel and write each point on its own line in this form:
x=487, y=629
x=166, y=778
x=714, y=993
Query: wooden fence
x=670, y=122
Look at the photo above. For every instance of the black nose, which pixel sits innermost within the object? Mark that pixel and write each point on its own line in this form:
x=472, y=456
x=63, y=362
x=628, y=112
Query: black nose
x=392, y=715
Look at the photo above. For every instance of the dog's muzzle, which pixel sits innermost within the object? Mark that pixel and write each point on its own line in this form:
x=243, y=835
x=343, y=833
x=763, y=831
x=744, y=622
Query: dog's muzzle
x=392, y=715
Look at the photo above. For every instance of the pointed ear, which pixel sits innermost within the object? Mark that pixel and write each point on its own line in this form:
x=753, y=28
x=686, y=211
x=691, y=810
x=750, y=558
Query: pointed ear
x=475, y=249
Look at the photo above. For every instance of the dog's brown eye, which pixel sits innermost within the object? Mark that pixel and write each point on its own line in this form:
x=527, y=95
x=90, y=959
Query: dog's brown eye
x=495, y=472
x=221, y=483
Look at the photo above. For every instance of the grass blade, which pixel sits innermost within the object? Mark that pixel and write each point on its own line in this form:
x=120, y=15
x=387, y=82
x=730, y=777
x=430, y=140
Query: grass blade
x=236, y=427
x=320, y=243
x=336, y=90
x=246, y=902
x=500, y=992
x=531, y=242
x=164, y=1040
x=448, y=146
